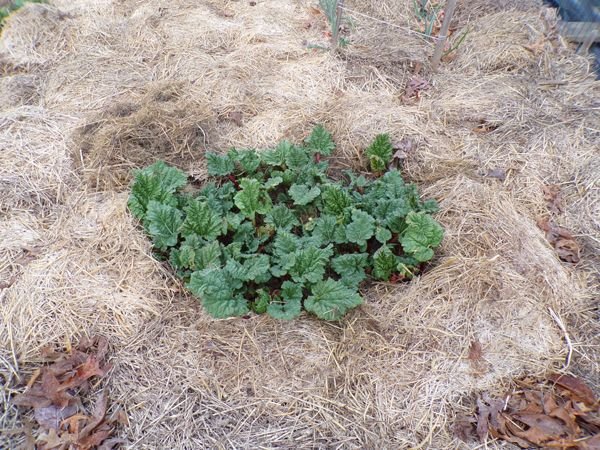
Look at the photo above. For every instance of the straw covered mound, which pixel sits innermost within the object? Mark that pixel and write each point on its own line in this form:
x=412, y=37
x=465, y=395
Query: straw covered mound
x=93, y=89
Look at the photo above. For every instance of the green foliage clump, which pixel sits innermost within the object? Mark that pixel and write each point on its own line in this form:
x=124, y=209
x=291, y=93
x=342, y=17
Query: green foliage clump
x=12, y=6
x=273, y=233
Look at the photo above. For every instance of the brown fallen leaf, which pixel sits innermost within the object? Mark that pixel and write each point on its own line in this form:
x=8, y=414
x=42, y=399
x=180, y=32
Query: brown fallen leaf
x=561, y=239
x=475, y=352
x=539, y=415
x=52, y=416
x=488, y=410
x=553, y=198
x=402, y=151
x=415, y=86
x=575, y=386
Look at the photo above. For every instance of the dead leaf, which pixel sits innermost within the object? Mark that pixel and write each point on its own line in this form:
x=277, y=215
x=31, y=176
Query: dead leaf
x=568, y=250
x=236, y=117
x=553, y=198
x=536, y=416
x=497, y=173
x=109, y=444
x=561, y=239
x=575, y=386
x=488, y=411
x=464, y=428
x=51, y=394
x=51, y=416
x=415, y=86
x=402, y=151
x=475, y=352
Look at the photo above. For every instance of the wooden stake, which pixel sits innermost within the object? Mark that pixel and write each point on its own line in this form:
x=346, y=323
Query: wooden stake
x=335, y=37
x=443, y=36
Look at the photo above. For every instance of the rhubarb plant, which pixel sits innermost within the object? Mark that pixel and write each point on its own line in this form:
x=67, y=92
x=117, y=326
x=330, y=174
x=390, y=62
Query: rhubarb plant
x=274, y=232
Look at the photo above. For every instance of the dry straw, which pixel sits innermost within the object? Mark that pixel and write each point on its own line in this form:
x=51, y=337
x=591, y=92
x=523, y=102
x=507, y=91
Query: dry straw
x=99, y=88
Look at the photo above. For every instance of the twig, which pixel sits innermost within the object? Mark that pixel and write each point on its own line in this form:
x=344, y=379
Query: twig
x=439, y=46
x=561, y=325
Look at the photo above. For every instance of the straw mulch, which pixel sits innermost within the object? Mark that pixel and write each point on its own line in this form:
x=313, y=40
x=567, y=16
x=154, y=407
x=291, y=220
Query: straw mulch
x=91, y=90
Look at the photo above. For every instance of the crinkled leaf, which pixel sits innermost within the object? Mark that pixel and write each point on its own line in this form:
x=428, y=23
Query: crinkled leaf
x=164, y=223
x=361, y=228
x=320, y=141
x=384, y=262
x=285, y=247
x=261, y=303
x=429, y=206
x=303, y=194
x=383, y=235
x=310, y=264
x=421, y=236
x=380, y=152
x=253, y=267
x=246, y=235
x=287, y=307
x=222, y=309
x=336, y=200
x=281, y=218
x=251, y=199
x=219, y=165
x=327, y=230
x=277, y=156
x=273, y=182
x=351, y=268
x=330, y=300
x=215, y=289
x=247, y=159
x=296, y=158
x=156, y=182
x=196, y=254
x=200, y=219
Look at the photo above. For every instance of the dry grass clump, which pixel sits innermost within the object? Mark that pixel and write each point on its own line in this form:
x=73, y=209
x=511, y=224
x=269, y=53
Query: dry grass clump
x=161, y=125
x=121, y=84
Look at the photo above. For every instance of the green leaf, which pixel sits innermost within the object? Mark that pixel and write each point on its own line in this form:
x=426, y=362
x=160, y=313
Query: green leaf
x=281, y=218
x=251, y=199
x=164, y=223
x=277, y=156
x=290, y=304
x=215, y=289
x=320, y=141
x=384, y=262
x=380, y=153
x=310, y=264
x=361, y=228
x=246, y=235
x=273, y=182
x=303, y=194
x=383, y=235
x=296, y=158
x=429, y=206
x=247, y=159
x=336, y=200
x=330, y=300
x=201, y=220
x=327, y=230
x=351, y=268
x=156, y=182
x=196, y=254
x=261, y=303
x=421, y=236
x=285, y=247
x=218, y=165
